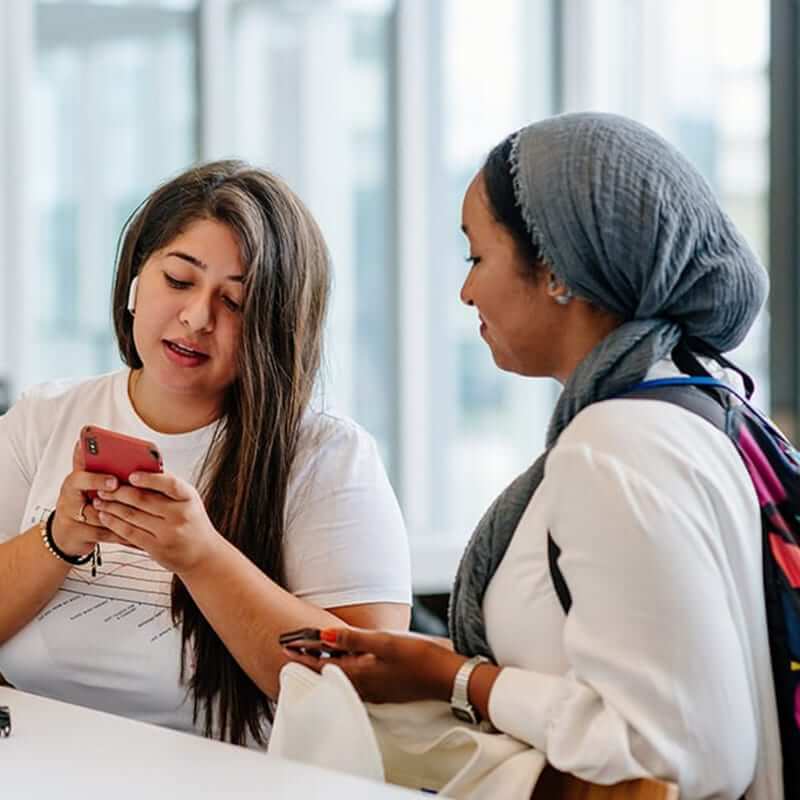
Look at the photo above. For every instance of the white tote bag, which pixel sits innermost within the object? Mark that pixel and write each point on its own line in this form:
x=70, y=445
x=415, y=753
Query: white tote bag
x=321, y=720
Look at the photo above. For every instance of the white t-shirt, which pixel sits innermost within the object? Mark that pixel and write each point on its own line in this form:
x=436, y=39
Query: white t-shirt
x=109, y=642
x=662, y=666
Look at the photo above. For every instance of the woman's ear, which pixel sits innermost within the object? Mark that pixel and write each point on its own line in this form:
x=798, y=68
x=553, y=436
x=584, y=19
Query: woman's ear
x=557, y=290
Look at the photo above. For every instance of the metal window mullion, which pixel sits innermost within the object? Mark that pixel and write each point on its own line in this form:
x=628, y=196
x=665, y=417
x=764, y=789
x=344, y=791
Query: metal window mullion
x=784, y=213
x=392, y=246
x=558, y=51
x=18, y=306
x=577, y=55
x=5, y=121
x=413, y=253
x=213, y=68
x=81, y=25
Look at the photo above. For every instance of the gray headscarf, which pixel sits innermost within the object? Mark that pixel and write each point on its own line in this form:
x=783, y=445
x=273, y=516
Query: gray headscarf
x=624, y=221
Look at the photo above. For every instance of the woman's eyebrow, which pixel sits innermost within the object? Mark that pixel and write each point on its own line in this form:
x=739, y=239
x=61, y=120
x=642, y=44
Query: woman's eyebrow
x=200, y=264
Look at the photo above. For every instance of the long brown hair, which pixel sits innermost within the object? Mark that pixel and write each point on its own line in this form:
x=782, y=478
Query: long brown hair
x=245, y=475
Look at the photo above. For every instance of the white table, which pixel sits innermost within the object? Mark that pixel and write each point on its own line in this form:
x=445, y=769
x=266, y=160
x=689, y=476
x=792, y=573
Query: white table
x=57, y=750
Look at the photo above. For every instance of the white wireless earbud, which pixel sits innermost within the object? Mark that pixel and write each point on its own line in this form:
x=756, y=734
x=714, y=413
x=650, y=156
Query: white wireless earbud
x=132, y=295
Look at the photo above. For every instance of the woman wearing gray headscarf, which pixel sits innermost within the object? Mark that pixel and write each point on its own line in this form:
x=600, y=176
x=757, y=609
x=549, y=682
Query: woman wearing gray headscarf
x=595, y=248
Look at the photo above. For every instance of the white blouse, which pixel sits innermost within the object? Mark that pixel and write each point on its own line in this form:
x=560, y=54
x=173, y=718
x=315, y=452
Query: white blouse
x=662, y=666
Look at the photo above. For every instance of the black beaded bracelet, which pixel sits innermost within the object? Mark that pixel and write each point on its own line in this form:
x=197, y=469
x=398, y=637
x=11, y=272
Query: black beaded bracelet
x=78, y=561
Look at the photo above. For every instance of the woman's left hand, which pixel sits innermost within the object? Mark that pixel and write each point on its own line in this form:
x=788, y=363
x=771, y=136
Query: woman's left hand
x=162, y=515
x=389, y=667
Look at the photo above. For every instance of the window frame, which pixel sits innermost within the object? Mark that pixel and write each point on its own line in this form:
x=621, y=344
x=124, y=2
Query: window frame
x=784, y=215
x=17, y=234
x=414, y=96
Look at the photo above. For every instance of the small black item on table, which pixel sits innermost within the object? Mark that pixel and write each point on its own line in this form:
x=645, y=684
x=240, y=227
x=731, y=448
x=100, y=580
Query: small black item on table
x=5, y=721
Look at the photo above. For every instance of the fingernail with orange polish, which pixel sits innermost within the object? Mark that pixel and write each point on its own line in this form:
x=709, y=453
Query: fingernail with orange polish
x=328, y=636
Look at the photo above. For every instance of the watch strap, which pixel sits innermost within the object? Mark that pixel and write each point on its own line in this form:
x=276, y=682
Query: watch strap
x=459, y=699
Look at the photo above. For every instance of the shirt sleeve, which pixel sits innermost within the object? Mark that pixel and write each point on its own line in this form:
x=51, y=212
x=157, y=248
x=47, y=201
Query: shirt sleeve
x=346, y=542
x=16, y=467
x=657, y=683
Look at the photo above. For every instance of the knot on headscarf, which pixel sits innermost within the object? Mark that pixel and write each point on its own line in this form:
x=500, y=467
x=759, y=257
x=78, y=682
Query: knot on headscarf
x=625, y=222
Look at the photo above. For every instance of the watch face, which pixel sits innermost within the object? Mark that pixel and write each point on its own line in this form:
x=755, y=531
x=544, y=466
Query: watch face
x=465, y=715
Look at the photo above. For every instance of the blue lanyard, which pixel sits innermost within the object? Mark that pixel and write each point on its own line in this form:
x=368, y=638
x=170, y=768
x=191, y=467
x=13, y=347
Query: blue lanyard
x=704, y=381
x=697, y=381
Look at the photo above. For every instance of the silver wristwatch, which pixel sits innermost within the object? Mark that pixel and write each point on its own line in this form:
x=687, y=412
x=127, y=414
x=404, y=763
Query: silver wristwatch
x=459, y=702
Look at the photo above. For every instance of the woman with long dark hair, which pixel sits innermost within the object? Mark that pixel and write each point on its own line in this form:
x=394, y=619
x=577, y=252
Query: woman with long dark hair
x=269, y=514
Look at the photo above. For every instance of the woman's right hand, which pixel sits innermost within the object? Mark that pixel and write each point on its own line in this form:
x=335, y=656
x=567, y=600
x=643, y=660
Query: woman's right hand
x=76, y=526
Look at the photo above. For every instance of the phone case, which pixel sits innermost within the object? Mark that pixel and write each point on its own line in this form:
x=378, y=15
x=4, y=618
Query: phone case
x=112, y=453
x=306, y=640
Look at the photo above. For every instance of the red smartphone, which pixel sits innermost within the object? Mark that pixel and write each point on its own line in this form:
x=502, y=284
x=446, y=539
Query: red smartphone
x=116, y=454
x=308, y=641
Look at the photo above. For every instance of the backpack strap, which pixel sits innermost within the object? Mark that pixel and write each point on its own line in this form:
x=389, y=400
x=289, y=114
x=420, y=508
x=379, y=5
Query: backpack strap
x=557, y=576
x=685, y=359
x=697, y=399
x=701, y=399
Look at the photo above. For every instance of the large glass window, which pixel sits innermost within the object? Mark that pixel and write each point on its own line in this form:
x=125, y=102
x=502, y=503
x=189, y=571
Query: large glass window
x=495, y=75
x=115, y=114
x=378, y=113
x=312, y=103
x=698, y=73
